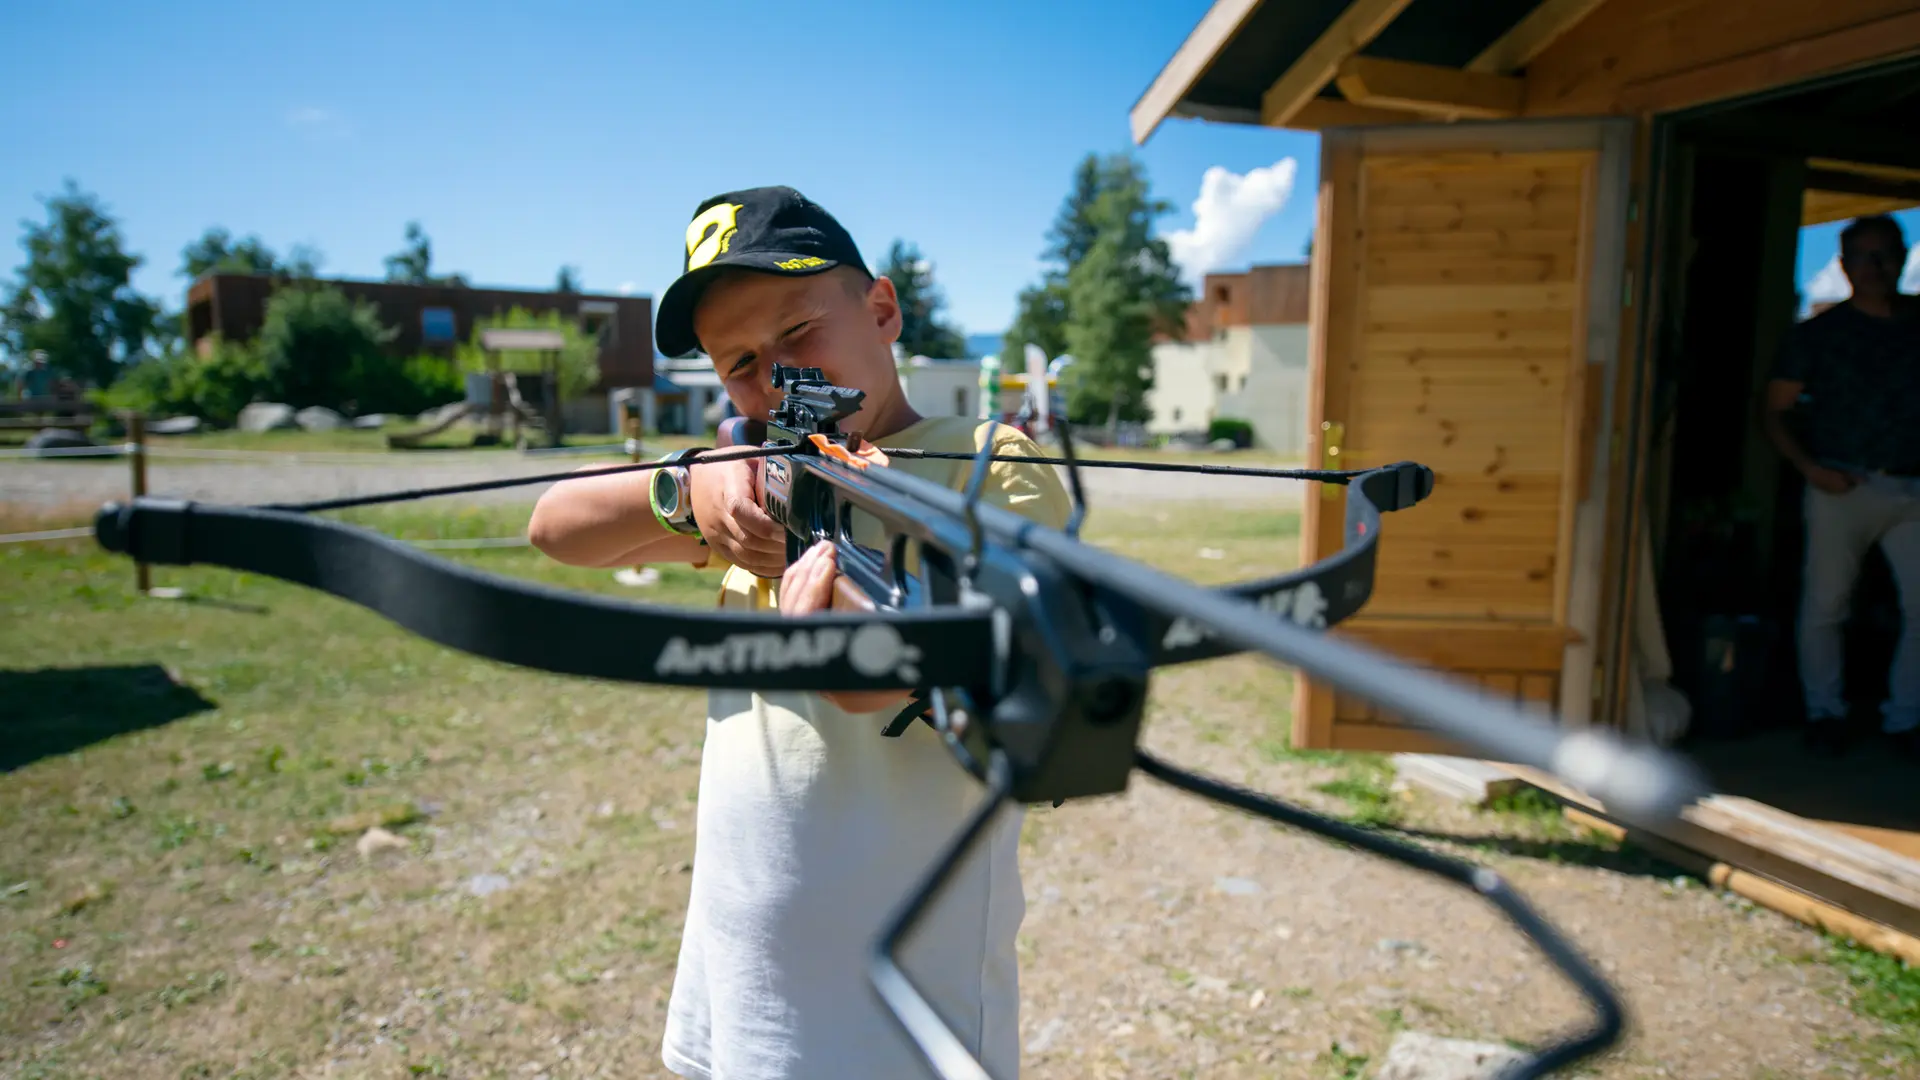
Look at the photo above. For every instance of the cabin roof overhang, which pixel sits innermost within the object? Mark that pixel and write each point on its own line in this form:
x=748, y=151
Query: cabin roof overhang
x=1317, y=64
x=1309, y=63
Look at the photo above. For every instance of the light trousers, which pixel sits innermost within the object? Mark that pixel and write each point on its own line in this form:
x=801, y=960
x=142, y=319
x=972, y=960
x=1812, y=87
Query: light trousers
x=1839, y=531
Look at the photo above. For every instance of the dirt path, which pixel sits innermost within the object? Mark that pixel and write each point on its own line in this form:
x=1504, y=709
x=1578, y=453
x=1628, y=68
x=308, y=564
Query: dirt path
x=59, y=483
x=1164, y=935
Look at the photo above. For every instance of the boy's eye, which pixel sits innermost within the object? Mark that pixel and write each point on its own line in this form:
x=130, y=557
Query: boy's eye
x=794, y=330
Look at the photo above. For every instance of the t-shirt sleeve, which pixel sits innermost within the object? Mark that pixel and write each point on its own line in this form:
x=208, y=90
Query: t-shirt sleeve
x=1031, y=490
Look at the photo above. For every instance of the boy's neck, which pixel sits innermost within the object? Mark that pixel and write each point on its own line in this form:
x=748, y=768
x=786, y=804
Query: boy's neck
x=898, y=418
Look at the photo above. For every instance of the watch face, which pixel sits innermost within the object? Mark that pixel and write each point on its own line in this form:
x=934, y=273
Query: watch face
x=666, y=493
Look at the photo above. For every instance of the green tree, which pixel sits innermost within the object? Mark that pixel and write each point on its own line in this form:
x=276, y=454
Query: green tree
x=922, y=331
x=1042, y=315
x=317, y=346
x=413, y=264
x=567, y=281
x=217, y=251
x=1110, y=288
x=74, y=296
x=1041, y=320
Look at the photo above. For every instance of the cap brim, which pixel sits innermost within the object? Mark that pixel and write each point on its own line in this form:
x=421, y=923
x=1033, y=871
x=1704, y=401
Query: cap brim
x=673, y=325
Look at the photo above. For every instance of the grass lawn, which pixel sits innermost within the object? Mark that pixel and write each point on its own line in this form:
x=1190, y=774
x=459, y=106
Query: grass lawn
x=180, y=890
x=184, y=786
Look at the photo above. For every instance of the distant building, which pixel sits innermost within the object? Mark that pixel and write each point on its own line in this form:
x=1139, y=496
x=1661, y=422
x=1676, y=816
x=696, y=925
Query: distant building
x=434, y=319
x=940, y=387
x=1243, y=357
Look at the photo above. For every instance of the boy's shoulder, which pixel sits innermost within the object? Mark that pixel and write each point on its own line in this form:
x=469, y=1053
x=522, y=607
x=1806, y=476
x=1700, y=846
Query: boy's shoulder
x=959, y=434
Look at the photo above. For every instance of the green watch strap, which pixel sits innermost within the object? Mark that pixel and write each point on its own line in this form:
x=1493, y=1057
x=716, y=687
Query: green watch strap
x=653, y=500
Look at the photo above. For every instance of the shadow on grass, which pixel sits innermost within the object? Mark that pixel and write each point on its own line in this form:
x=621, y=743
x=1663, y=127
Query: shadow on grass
x=54, y=711
x=1625, y=858
x=223, y=605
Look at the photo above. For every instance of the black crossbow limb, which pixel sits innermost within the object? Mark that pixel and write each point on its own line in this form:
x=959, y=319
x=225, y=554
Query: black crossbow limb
x=1031, y=649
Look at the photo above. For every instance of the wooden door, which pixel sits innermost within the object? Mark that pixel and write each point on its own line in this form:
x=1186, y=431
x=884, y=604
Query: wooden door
x=1453, y=285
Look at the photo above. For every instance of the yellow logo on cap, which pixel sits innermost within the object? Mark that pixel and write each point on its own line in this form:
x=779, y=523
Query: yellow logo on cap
x=709, y=234
x=801, y=263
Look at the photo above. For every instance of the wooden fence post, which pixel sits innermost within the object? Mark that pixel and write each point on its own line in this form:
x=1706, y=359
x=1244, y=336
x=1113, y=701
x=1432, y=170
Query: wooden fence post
x=137, y=436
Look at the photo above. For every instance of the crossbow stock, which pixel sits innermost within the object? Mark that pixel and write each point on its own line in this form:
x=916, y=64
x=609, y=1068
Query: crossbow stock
x=1031, y=651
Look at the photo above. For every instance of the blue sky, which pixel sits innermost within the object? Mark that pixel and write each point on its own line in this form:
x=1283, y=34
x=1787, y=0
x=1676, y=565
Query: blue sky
x=526, y=136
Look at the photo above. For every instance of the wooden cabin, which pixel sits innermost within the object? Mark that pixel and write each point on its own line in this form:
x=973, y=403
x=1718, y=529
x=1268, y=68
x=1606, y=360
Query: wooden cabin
x=1554, y=255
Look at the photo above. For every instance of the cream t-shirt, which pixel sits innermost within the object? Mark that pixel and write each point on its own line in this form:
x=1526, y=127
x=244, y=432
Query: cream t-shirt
x=811, y=829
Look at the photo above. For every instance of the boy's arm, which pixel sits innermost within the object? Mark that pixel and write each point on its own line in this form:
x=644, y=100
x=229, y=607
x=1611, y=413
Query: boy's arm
x=607, y=521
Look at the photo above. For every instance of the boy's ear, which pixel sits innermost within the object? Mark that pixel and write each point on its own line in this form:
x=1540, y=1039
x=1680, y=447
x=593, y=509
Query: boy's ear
x=884, y=304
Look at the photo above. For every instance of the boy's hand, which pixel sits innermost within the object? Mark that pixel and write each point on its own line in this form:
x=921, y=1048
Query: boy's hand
x=807, y=587
x=726, y=506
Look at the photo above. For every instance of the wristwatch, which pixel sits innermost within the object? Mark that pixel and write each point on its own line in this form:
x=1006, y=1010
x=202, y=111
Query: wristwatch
x=671, y=494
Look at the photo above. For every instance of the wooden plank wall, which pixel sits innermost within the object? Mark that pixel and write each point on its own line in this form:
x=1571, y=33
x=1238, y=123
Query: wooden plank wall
x=1467, y=356
x=1471, y=313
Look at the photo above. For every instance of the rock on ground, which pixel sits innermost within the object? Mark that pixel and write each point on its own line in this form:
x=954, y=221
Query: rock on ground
x=267, y=416
x=57, y=439
x=319, y=418
x=1418, y=1056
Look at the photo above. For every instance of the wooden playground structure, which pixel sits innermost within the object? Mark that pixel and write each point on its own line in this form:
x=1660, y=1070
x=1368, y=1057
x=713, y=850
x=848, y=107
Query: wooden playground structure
x=506, y=414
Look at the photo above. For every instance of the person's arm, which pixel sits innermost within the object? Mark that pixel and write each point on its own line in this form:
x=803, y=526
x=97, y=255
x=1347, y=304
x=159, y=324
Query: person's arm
x=1782, y=395
x=607, y=521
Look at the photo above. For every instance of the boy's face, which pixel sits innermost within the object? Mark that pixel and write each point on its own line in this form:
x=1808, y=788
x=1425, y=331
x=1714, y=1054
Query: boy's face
x=835, y=321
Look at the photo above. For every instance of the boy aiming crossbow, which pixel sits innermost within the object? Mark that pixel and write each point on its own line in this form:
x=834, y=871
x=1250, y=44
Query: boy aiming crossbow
x=810, y=825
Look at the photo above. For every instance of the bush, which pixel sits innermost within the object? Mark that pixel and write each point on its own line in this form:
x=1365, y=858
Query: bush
x=1240, y=431
x=213, y=387
x=406, y=386
x=315, y=355
x=321, y=347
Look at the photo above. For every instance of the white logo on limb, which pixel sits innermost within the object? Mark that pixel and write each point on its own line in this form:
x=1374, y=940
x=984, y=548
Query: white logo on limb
x=873, y=650
x=1304, y=605
x=878, y=649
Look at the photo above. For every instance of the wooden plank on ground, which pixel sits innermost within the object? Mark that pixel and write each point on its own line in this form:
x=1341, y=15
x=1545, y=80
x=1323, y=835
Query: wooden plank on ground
x=1875, y=884
x=1463, y=779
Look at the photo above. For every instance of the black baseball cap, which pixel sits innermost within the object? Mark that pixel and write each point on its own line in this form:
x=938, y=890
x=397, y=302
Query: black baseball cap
x=773, y=230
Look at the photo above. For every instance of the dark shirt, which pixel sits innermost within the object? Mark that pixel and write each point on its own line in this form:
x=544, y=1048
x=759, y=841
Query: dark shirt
x=1861, y=401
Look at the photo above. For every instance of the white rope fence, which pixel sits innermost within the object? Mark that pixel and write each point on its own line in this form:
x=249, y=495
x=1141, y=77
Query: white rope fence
x=328, y=457
x=470, y=544
x=145, y=449
x=50, y=534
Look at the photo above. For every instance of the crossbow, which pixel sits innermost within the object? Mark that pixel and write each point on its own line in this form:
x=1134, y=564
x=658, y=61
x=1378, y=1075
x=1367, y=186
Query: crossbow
x=1027, y=650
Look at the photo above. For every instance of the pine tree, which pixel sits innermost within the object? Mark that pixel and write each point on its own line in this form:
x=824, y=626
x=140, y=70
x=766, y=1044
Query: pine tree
x=922, y=331
x=1112, y=287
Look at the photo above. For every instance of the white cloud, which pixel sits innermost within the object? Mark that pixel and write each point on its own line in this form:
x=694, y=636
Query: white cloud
x=1227, y=213
x=1830, y=284
x=626, y=288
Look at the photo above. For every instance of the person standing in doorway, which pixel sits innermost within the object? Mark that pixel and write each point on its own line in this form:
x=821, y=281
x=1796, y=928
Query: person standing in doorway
x=1853, y=374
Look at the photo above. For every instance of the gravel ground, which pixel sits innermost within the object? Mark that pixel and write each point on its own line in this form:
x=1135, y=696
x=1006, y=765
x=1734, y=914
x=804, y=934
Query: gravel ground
x=1167, y=937
x=48, y=484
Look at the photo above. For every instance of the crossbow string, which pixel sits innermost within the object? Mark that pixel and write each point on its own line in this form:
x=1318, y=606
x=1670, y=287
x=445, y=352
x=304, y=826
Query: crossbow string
x=1027, y=651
